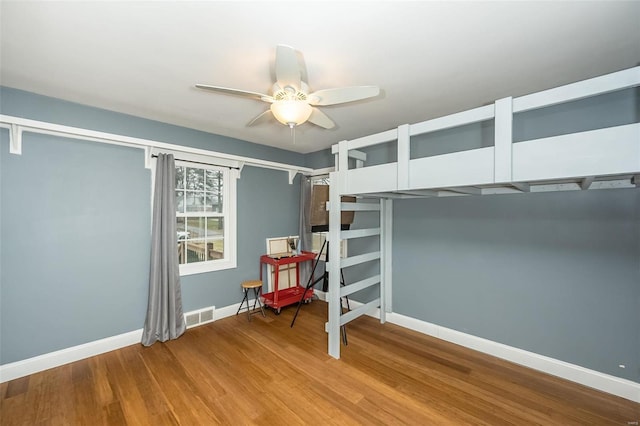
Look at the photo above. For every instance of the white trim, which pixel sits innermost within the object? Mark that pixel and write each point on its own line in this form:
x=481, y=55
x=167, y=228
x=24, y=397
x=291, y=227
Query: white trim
x=186, y=157
x=597, y=380
x=575, y=373
x=25, y=367
x=15, y=145
x=38, y=363
x=229, y=214
x=43, y=127
x=321, y=172
x=594, y=379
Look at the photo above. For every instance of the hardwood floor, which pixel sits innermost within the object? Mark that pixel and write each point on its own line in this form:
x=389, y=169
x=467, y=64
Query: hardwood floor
x=263, y=372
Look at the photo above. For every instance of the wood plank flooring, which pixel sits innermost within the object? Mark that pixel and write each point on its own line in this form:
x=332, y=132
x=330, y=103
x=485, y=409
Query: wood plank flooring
x=263, y=372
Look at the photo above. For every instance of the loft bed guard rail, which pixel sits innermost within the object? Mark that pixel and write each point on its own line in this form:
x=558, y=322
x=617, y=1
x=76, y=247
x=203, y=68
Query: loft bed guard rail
x=603, y=152
x=601, y=157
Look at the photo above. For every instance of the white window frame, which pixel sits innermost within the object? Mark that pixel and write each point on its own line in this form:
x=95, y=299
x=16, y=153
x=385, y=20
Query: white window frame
x=231, y=172
x=229, y=213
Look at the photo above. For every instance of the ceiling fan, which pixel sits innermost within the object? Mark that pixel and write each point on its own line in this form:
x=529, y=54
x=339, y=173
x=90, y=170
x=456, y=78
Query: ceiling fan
x=291, y=102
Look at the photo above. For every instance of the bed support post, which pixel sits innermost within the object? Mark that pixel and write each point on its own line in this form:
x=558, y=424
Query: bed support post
x=386, y=225
x=334, y=266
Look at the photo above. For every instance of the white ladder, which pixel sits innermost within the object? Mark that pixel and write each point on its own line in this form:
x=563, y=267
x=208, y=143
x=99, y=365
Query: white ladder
x=382, y=207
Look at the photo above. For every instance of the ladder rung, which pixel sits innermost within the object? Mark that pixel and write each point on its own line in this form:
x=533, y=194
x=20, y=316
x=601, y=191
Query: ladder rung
x=356, y=260
x=360, y=285
x=359, y=233
x=351, y=315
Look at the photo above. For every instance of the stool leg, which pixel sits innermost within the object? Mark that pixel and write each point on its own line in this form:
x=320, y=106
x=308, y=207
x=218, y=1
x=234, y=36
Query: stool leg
x=245, y=297
x=248, y=307
x=256, y=292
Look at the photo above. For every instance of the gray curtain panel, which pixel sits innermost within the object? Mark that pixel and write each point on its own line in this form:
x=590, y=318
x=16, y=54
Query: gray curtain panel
x=165, y=319
x=304, y=231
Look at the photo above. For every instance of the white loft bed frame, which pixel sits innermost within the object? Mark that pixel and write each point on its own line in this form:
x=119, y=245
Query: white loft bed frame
x=603, y=158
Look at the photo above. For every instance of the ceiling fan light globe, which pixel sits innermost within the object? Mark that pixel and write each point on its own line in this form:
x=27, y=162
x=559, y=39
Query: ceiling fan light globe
x=291, y=113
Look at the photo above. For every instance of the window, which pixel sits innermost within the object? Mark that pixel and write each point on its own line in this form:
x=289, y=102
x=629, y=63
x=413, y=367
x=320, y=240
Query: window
x=319, y=237
x=205, y=215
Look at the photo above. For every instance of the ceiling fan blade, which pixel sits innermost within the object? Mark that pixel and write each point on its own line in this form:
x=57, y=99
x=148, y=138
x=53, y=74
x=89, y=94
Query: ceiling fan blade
x=342, y=95
x=260, y=118
x=287, y=67
x=236, y=92
x=319, y=118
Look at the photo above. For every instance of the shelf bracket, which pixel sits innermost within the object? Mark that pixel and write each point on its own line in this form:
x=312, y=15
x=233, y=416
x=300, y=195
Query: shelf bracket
x=15, y=142
x=521, y=186
x=292, y=176
x=586, y=182
x=147, y=157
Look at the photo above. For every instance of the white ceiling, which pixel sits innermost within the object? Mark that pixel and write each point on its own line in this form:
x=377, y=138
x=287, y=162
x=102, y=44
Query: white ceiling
x=429, y=58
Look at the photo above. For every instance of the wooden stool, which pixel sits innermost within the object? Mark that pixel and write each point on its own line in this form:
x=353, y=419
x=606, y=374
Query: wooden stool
x=256, y=285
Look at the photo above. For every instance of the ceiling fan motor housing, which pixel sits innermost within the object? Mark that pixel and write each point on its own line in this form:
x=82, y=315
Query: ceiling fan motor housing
x=290, y=93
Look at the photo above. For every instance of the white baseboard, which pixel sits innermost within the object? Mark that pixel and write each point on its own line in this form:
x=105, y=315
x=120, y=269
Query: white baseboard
x=43, y=362
x=25, y=367
x=604, y=382
x=575, y=373
x=227, y=311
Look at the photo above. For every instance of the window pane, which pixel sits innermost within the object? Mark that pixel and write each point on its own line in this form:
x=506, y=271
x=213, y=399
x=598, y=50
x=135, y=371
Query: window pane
x=180, y=228
x=179, y=177
x=215, y=249
x=214, y=180
x=195, y=201
x=182, y=253
x=215, y=228
x=215, y=237
x=179, y=201
x=195, y=179
x=196, y=227
x=196, y=251
x=213, y=202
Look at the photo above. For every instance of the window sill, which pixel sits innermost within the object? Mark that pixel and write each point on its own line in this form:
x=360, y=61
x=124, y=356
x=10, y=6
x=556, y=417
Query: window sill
x=203, y=267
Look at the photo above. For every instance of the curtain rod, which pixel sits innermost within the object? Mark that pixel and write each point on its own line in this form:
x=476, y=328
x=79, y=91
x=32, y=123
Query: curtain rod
x=199, y=162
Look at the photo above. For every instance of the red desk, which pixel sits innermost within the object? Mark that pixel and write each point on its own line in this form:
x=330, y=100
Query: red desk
x=280, y=298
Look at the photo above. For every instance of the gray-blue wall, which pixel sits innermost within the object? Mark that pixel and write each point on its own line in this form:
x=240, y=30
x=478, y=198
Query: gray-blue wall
x=75, y=241
x=75, y=223
x=557, y=274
